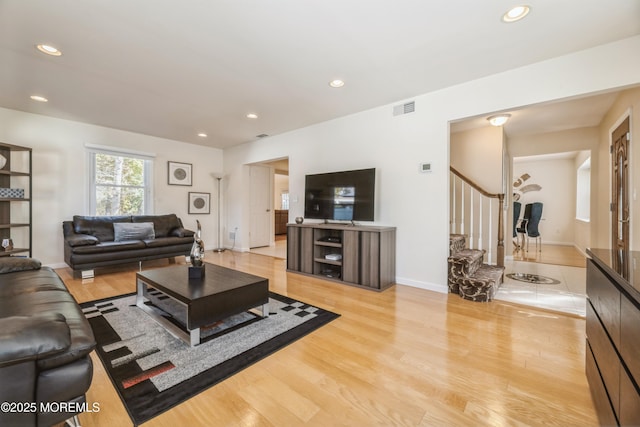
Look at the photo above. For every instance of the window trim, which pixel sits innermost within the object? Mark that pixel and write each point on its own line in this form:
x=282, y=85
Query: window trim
x=148, y=158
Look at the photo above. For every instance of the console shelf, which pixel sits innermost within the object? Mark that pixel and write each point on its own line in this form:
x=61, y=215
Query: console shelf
x=361, y=256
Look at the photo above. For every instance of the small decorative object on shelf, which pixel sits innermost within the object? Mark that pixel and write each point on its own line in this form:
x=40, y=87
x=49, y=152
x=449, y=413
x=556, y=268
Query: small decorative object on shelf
x=196, y=269
x=3, y=161
x=12, y=193
x=7, y=244
x=299, y=220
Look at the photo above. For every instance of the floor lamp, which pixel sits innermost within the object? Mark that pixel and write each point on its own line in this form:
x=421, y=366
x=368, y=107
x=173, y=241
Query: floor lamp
x=219, y=248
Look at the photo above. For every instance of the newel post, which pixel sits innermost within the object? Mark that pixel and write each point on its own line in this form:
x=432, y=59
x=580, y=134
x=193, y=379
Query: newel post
x=500, y=260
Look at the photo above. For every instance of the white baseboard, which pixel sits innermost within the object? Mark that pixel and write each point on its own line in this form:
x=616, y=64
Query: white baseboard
x=56, y=265
x=443, y=289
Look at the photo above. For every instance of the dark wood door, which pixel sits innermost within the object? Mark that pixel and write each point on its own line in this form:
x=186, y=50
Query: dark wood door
x=621, y=141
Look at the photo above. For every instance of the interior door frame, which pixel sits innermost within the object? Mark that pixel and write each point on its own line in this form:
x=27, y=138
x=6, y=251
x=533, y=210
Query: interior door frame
x=624, y=116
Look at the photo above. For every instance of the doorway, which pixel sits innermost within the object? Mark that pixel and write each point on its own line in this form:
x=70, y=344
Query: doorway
x=276, y=196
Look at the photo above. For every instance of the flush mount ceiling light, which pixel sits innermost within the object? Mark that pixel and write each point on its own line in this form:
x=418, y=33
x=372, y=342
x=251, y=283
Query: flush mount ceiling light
x=49, y=50
x=336, y=83
x=516, y=13
x=202, y=135
x=499, y=119
x=39, y=98
x=252, y=116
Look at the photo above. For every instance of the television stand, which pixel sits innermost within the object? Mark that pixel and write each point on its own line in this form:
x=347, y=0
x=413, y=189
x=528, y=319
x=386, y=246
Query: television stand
x=363, y=256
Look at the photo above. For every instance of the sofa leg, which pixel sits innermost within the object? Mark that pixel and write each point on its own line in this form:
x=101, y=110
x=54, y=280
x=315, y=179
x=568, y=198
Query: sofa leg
x=87, y=274
x=73, y=421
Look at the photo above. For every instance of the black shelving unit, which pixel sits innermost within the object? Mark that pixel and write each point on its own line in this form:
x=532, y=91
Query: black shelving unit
x=16, y=212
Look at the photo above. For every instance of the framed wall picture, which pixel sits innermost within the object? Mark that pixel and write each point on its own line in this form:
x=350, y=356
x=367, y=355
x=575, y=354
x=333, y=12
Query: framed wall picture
x=179, y=173
x=199, y=203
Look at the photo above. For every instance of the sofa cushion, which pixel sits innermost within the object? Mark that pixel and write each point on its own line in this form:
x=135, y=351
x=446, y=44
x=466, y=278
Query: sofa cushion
x=109, y=247
x=167, y=241
x=98, y=226
x=162, y=224
x=123, y=231
x=48, y=294
x=11, y=264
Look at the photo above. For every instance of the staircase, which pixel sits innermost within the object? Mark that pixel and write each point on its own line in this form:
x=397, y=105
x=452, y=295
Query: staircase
x=468, y=275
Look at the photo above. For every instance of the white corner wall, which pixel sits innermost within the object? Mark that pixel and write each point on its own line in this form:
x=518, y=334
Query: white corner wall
x=414, y=202
x=60, y=181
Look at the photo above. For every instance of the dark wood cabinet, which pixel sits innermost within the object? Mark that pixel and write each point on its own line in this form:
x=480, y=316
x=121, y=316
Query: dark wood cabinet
x=613, y=336
x=281, y=218
x=15, y=199
x=356, y=255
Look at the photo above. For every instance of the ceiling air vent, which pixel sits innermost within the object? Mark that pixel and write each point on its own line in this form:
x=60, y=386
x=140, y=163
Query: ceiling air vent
x=407, y=108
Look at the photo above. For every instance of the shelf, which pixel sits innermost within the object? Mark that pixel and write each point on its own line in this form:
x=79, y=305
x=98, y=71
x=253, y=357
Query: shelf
x=327, y=261
x=16, y=174
x=329, y=244
x=13, y=173
x=4, y=253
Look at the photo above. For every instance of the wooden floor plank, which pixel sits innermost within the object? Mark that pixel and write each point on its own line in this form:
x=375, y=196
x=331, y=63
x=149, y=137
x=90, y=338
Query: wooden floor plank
x=405, y=356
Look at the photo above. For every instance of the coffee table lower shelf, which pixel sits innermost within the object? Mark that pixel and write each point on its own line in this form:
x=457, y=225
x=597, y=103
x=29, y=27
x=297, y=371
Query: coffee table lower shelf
x=193, y=336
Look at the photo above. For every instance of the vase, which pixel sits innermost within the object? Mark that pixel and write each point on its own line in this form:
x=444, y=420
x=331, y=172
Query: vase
x=299, y=220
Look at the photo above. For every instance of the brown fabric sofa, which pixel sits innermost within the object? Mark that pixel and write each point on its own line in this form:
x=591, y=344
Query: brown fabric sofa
x=45, y=341
x=93, y=241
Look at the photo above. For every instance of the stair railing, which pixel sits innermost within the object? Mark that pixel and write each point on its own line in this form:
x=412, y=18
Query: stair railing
x=475, y=213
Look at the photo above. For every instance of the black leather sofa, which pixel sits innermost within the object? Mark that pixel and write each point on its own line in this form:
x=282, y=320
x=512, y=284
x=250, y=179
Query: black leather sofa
x=45, y=341
x=91, y=241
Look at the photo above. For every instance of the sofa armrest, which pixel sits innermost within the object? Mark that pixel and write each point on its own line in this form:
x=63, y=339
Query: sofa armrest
x=81, y=240
x=181, y=232
x=25, y=338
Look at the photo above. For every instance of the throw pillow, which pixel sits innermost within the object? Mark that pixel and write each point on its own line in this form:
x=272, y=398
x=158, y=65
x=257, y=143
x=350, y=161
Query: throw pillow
x=133, y=231
x=9, y=264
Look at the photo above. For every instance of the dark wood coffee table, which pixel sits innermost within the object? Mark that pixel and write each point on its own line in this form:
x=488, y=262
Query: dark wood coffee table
x=221, y=293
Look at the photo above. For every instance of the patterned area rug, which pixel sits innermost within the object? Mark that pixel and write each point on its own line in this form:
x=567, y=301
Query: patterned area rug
x=154, y=371
x=533, y=278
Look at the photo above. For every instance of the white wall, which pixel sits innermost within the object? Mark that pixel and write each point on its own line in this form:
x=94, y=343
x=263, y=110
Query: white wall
x=557, y=180
x=60, y=182
x=414, y=202
x=477, y=154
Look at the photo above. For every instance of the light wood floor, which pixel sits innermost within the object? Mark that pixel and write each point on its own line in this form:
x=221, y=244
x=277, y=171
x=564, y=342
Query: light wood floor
x=551, y=254
x=406, y=357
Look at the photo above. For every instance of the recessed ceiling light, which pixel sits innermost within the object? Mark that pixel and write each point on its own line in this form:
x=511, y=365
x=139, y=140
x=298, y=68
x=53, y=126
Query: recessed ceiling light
x=252, y=116
x=499, y=119
x=336, y=83
x=202, y=135
x=516, y=13
x=48, y=49
x=39, y=98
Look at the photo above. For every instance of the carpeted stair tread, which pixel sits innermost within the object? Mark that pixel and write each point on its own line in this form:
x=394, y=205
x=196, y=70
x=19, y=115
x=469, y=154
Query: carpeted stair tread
x=457, y=242
x=465, y=262
x=483, y=285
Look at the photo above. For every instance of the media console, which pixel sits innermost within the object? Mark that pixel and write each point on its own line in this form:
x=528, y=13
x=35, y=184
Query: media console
x=363, y=256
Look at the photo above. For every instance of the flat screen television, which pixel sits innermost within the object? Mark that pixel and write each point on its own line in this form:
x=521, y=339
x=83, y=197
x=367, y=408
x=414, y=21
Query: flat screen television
x=341, y=196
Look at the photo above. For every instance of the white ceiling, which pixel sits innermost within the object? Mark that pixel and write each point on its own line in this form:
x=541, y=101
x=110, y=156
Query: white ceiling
x=173, y=68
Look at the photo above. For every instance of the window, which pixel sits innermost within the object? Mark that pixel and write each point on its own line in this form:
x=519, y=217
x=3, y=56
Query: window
x=120, y=183
x=284, y=201
x=583, y=191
